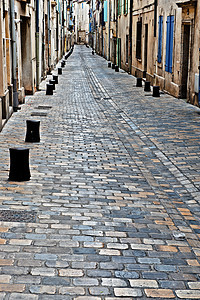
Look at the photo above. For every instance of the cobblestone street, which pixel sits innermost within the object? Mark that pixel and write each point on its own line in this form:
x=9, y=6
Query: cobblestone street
x=112, y=208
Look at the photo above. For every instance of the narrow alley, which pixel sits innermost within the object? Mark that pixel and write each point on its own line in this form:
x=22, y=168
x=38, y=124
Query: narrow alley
x=112, y=207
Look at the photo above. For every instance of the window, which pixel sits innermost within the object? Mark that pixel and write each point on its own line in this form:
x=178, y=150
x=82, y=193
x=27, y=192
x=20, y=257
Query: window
x=169, y=44
x=125, y=7
x=139, y=39
x=105, y=11
x=119, y=7
x=160, y=29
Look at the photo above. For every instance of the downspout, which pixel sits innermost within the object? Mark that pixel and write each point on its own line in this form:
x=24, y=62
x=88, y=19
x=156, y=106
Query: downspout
x=37, y=46
x=199, y=80
x=49, y=33
x=63, y=27
x=14, y=56
x=130, y=36
x=116, y=42
x=109, y=4
x=102, y=22
x=155, y=16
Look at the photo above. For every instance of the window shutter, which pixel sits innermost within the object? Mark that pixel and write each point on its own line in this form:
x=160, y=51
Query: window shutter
x=105, y=11
x=160, y=39
x=138, y=40
x=119, y=7
x=167, y=45
x=171, y=43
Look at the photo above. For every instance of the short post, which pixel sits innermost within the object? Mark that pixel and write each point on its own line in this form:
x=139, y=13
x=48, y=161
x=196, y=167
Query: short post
x=19, y=164
x=92, y=52
x=49, y=89
x=156, y=91
x=147, y=87
x=32, y=131
x=116, y=68
x=139, y=82
x=59, y=71
x=53, y=83
x=62, y=64
x=109, y=64
x=113, y=66
x=55, y=77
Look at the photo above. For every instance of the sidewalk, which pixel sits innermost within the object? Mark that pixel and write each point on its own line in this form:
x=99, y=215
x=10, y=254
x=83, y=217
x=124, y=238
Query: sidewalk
x=112, y=208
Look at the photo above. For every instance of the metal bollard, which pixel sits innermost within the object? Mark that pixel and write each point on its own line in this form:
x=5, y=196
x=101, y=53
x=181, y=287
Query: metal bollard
x=116, y=69
x=139, y=82
x=147, y=87
x=19, y=164
x=49, y=89
x=156, y=91
x=32, y=131
x=59, y=71
x=109, y=65
x=55, y=77
x=53, y=83
x=113, y=66
x=92, y=52
x=62, y=64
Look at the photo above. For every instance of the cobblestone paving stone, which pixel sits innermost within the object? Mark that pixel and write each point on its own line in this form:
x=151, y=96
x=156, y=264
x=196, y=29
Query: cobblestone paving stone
x=114, y=192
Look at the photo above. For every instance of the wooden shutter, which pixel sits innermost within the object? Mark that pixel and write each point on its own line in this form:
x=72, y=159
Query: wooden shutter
x=171, y=43
x=160, y=38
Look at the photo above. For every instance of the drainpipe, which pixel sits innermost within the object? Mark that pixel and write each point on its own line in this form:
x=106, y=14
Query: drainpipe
x=14, y=57
x=199, y=79
x=109, y=4
x=49, y=34
x=116, y=42
x=130, y=36
x=37, y=47
x=155, y=16
x=102, y=28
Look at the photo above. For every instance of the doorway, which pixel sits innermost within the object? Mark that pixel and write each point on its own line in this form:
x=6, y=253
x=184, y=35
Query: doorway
x=145, y=49
x=26, y=55
x=185, y=60
x=119, y=52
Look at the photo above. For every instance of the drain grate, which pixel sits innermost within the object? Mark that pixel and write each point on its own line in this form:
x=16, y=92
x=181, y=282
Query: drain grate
x=43, y=107
x=39, y=114
x=17, y=216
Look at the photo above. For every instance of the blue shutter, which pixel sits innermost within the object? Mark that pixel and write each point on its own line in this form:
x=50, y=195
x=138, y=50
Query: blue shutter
x=160, y=39
x=167, y=45
x=171, y=43
x=105, y=11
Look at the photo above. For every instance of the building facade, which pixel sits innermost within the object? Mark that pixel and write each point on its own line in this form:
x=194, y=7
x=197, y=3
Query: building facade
x=35, y=35
x=81, y=13
x=157, y=40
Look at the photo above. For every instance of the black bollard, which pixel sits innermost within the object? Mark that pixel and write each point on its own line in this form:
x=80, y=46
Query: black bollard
x=59, y=71
x=156, y=91
x=147, y=87
x=109, y=65
x=62, y=64
x=113, y=66
x=53, y=83
x=139, y=82
x=55, y=77
x=32, y=131
x=66, y=56
x=92, y=52
x=19, y=164
x=49, y=89
x=116, y=69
